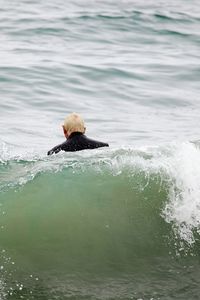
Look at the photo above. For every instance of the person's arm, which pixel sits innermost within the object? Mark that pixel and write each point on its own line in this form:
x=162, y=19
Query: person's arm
x=94, y=144
x=55, y=149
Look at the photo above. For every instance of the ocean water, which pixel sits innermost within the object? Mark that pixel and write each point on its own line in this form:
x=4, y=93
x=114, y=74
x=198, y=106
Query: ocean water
x=116, y=223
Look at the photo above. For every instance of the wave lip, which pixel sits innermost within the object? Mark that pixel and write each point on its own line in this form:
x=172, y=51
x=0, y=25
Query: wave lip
x=183, y=208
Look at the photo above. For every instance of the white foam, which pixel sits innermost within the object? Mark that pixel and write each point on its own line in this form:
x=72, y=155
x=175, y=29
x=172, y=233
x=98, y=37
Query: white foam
x=183, y=208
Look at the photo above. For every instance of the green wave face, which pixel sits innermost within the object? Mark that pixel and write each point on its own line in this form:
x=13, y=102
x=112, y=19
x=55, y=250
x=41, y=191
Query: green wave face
x=82, y=228
x=92, y=219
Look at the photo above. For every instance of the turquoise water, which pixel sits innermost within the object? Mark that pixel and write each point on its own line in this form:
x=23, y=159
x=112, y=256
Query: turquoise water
x=118, y=223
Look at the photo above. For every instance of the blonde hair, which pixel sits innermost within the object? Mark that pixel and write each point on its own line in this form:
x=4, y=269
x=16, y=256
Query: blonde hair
x=74, y=123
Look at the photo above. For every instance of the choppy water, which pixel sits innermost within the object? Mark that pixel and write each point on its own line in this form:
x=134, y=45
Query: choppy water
x=117, y=223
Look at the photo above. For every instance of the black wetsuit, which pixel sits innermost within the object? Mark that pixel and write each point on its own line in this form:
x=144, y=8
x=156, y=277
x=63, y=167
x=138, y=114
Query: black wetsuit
x=77, y=141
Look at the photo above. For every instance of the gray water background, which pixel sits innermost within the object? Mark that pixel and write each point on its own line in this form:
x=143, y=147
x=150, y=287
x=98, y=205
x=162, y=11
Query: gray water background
x=131, y=68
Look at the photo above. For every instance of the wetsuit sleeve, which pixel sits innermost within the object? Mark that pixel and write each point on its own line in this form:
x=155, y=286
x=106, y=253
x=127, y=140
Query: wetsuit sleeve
x=104, y=144
x=91, y=144
x=55, y=149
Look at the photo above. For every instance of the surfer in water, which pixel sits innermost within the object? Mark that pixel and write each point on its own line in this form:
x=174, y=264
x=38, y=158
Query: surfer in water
x=76, y=140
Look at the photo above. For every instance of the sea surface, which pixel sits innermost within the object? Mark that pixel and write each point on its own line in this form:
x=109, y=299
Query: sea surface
x=113, y=223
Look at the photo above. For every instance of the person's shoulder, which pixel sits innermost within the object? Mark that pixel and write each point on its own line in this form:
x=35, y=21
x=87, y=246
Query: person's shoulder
x=96, y=143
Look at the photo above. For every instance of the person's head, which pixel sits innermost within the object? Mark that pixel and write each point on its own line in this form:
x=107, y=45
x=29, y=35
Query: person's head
x=73, y=123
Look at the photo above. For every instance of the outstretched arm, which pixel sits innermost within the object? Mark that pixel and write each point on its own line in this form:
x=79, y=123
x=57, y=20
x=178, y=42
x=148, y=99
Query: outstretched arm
x=55, y=150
